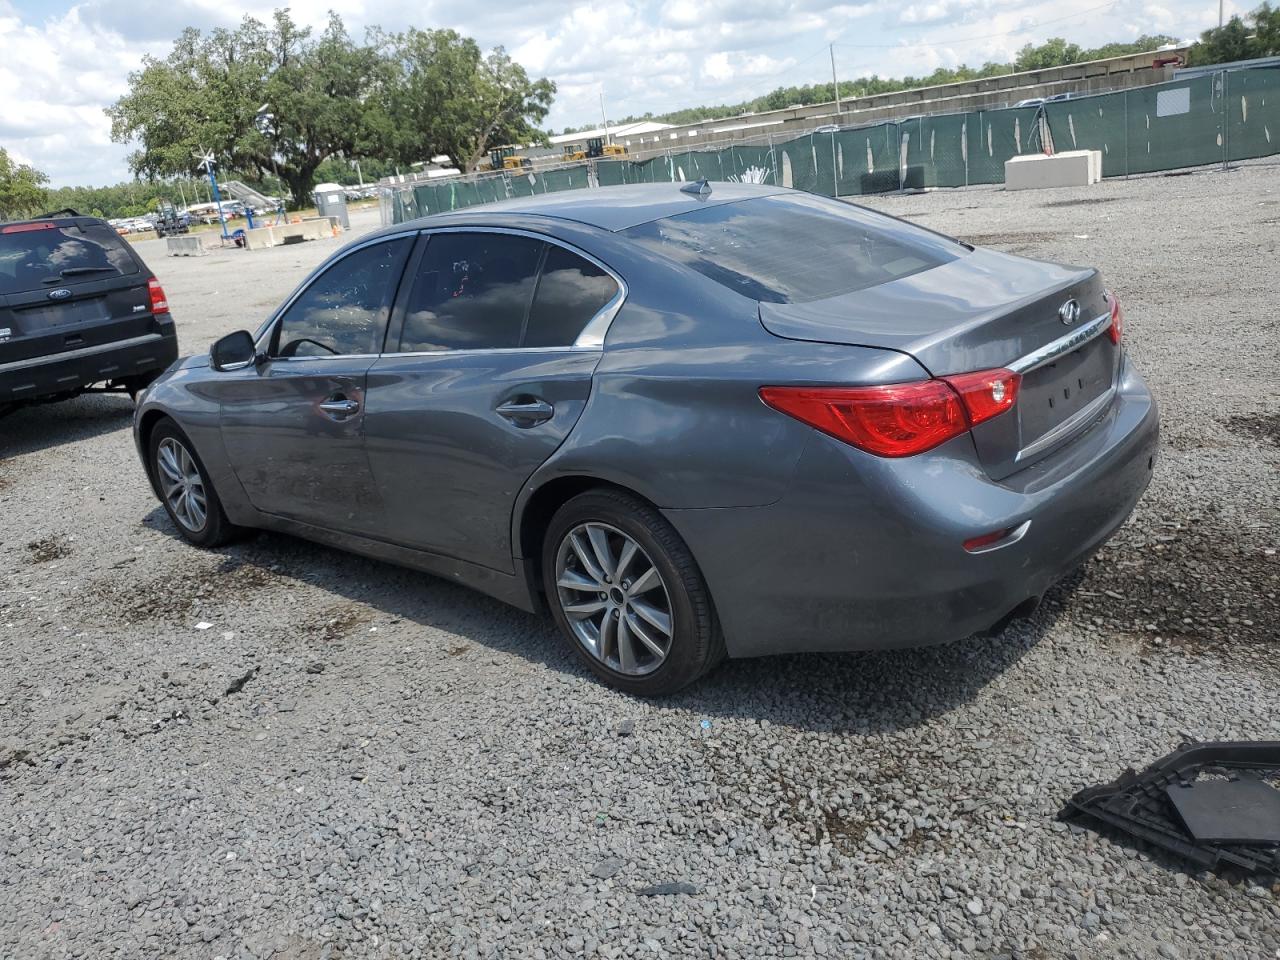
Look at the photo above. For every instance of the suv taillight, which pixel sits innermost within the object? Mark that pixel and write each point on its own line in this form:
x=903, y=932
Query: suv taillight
x=1116, y=330
x=159, y=303
x=900, y=419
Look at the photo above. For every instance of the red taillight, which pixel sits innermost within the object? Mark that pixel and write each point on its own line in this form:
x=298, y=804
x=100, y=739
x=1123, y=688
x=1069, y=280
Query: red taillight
x=900, y=419
x=28, y=227
x=1116, y=330
x=986, y=393
x=159, y=303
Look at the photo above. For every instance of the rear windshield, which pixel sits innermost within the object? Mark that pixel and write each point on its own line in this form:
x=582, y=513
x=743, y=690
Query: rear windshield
x=795, y=248
x=36, y=256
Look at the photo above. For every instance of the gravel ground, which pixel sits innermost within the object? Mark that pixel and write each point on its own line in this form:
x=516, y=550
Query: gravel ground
x=280, y=750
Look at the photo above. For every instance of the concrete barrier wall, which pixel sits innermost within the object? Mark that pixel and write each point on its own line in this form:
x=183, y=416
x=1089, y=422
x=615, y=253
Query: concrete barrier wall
x=312, y=228
x=1075, y=168
x=185, y=246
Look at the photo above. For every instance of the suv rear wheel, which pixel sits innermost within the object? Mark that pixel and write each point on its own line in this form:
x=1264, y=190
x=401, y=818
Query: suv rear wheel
x=185, y=489
x=625, y=590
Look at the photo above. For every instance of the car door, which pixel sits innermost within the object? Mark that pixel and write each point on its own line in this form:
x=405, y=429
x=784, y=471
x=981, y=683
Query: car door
x=487, y=368
x=293, y=423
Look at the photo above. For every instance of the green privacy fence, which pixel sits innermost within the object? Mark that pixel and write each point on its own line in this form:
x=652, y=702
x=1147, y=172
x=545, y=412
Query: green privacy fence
x=1218, y=118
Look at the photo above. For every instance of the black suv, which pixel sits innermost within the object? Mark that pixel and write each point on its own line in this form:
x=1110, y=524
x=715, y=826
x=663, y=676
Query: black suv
x=78, y=307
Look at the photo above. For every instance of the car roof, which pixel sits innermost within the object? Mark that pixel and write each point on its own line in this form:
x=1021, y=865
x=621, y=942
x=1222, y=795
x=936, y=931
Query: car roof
x=609, y=208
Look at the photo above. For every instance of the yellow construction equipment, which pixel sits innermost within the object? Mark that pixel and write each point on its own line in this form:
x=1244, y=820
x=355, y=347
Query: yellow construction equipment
x=506, y=158
x=596, y=147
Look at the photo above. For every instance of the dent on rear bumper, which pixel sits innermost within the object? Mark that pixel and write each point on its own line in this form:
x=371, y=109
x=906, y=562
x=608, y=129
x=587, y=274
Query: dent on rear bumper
x=866, y=553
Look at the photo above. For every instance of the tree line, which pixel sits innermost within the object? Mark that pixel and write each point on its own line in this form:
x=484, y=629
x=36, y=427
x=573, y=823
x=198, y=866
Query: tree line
x=276, y=101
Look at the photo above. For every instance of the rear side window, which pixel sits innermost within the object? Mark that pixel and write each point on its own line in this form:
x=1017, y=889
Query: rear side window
x=571, y=290
x=344, y=311
x=472, y=292
x=795, y=248
x=53, y=254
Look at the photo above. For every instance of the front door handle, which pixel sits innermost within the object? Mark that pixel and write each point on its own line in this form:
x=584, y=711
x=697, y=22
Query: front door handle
x=526, y=411
x=339, y=408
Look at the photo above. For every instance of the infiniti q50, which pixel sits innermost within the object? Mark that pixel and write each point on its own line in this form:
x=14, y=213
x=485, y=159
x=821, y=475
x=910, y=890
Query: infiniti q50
x=689, y=422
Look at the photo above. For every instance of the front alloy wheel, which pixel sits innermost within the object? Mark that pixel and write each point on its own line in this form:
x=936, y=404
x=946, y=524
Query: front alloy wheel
x=184, y=488
x=182, y=485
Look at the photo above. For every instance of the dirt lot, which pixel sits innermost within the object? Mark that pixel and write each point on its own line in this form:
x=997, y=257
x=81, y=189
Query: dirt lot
x=280, y=750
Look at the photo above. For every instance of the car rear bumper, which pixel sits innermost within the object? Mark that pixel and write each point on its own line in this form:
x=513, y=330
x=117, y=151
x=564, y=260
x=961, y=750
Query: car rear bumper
x=867, y=553
x=72, y=369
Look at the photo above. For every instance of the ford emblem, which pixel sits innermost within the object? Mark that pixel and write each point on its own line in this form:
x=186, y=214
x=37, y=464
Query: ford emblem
x=1069, y=312
x=60, y=294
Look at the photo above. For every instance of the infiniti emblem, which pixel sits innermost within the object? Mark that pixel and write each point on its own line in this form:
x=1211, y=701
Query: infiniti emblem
x=1069, y=312
x=60, y=294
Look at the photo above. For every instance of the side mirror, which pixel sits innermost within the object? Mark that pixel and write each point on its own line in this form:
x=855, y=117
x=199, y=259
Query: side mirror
x=234, y=351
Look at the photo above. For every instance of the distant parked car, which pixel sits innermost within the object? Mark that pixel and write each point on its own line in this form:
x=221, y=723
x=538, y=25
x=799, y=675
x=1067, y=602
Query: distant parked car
x=78, y=308
x=689, y=422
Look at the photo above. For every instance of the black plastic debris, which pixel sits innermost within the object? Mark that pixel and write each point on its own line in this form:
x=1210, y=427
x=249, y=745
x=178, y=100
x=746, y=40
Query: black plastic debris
x=1213, y=804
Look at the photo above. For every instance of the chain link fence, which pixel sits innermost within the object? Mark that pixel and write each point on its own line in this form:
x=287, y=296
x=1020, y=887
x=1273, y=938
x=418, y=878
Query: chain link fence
x=1219, y=118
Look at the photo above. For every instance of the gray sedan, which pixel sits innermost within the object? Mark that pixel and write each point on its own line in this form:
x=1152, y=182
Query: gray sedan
x=690, y=422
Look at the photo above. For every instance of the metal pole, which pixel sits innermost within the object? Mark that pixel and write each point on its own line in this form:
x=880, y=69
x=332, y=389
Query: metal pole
x=1126, y=134
x=835, y=168
x=1225, y=113
x=898, y=159
x=604, y=116
x=1220, y=2
x=217, y=199
x=359, y=175
x=835, y=84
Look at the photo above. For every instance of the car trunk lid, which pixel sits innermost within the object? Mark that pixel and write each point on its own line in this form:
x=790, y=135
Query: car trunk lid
x=982, y=311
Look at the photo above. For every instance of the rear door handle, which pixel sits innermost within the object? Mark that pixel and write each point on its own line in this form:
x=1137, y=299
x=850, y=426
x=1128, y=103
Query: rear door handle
x=339, y=408
x=526, y=411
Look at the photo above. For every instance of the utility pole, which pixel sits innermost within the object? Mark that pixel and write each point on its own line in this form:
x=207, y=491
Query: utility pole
x=835, y=84
x=1220, y=2
x=359, y=175
x=604, y=116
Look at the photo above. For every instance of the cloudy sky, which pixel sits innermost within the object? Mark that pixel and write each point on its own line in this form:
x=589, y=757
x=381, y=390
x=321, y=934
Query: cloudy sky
x=63, y=61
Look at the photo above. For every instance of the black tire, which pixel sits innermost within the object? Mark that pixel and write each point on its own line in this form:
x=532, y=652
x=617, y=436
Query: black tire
x=696, y=643
x=216, y=529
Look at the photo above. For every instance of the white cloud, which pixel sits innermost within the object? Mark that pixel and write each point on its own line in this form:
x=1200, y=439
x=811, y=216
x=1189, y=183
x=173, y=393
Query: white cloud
x=70, y=58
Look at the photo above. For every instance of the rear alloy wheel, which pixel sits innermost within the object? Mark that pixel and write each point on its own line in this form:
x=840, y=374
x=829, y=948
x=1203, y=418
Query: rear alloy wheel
x=185, y=489
x=624, y=588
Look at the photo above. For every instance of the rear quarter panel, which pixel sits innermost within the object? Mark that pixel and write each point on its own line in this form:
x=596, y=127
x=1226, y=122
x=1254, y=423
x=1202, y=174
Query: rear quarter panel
x=675, y=413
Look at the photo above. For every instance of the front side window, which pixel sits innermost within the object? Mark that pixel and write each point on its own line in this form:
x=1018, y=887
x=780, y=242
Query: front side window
x=344, y=310
x=571, y=290
x=794, y=248
x=472, y=292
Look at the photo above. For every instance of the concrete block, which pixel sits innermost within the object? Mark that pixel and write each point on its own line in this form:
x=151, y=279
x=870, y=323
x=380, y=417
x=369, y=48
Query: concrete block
x=185, y=246
x=1034, y=171
x=259, y=238
x=314, y=229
